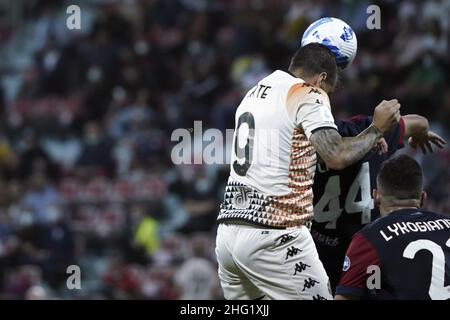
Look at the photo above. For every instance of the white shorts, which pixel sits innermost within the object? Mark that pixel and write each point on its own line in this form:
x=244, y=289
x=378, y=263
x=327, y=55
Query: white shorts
x=259, y=263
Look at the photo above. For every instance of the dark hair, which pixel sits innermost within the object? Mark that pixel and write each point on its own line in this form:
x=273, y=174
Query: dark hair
x=313, y=59
x=400, y=177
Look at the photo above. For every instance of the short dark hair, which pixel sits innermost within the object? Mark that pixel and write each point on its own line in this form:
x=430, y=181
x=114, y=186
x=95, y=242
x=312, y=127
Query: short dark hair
x=400, y=177
x=313, y=59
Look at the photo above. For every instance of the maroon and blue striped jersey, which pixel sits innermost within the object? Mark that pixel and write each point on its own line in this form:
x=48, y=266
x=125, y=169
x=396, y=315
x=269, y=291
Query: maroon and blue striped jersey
x=403, y=255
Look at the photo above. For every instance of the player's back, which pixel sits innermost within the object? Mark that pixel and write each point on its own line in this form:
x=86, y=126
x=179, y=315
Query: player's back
x=343, y=201
x=264, y=135
x=272, y=159
x=413, y=248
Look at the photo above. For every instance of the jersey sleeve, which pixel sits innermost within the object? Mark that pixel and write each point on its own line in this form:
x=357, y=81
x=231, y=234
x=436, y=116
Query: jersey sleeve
x=354, y=125
x=314, y=112
x=360, y=255
x=395, y=137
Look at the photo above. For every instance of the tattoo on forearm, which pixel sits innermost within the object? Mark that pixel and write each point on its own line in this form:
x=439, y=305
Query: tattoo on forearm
x=331, y=147
x=326, y=142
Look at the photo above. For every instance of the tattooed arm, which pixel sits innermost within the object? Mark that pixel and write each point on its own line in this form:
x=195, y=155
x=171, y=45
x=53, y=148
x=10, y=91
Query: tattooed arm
x=338, y=152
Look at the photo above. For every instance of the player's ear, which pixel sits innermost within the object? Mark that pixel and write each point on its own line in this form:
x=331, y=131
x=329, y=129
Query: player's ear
x=423, y=199
x=321, y=80
x=376, y=197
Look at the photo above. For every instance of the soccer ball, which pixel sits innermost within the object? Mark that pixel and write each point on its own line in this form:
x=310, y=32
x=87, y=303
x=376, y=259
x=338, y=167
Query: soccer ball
x=337, y=36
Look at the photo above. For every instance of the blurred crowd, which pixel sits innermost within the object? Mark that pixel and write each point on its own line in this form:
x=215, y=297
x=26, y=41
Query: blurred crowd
x=86, y=117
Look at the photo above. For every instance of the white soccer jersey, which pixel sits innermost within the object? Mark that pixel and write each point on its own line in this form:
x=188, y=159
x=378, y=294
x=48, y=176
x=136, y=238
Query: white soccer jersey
x=273, y=161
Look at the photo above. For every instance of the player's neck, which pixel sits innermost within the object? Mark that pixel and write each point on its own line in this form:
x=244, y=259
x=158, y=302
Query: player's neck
x=387, y=210
x=298, y=73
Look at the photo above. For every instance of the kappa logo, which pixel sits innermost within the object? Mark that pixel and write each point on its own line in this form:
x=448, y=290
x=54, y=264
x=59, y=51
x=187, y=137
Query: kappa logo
x=309, y=283
x=300, y=267
x=313, y=90
x=285, y=238
x=292, y=251
x=347, y=264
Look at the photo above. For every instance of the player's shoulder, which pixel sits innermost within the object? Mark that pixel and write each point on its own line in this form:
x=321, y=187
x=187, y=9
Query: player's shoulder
x=305, y=90
x=416, y=214
x=426, y=215
x=377, y=224
x=300, y=94
x=404, y=215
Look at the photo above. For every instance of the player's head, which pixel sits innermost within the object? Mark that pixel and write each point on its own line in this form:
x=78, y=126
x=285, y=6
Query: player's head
x=399, y=184
x=315, y=64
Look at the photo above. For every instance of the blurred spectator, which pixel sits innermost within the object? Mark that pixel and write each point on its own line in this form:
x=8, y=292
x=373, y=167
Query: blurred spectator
x=196, y=190
x=20, y=280
x=96, y=155
x=33, y=158
x=49, y=246
x=8, y=158
x=64, y=149
x=146, y=234
x=41, y=198
x=129, y=120
x=122, y=281
x=197, y=276
x=57, y=240
x=36, y=293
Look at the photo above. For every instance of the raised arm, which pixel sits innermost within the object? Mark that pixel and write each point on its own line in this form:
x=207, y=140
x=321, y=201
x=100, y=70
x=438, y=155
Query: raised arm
x=415, y=125
x=338, y=152
x=417, y=130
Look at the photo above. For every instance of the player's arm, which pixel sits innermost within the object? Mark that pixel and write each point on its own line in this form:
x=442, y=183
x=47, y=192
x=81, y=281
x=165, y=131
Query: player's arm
x=412, y=126
x=415, y=125
x=417, y=130
x=338, y=152
x=360, y=259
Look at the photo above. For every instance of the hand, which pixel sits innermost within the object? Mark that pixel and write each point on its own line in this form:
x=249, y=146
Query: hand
x=386, y=115
x=425, y=142
x=381, y=147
